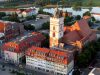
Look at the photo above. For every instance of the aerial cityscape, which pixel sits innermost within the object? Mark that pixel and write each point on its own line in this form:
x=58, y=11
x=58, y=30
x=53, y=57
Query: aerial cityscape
x=49, y=37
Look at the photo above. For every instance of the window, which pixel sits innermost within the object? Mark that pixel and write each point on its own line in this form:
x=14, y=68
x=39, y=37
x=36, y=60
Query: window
x=47, y=70
x=53, y=28
x=53, y=34
x=59, y=74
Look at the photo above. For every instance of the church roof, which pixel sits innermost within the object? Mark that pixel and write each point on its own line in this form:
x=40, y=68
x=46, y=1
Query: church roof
x=83, y=27
x=72, y=36
x=80, y=30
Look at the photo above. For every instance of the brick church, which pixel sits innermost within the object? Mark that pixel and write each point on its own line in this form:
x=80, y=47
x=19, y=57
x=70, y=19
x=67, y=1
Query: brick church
x=76, y=35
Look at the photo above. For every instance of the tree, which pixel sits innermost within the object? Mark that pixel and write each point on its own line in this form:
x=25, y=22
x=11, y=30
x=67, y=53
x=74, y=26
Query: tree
x=78, y=17
x=13, y=17
x=31, y=17
x=2, y=14
x=68, y=20
x=90, y=23
x=87, y=13
x=76, y=72
x=82, y=60
x=93, y=19
x=77, y=5
x=29, y=27
x=46, y=25
x=90, y=2
x=46, y=43
x=90, y=50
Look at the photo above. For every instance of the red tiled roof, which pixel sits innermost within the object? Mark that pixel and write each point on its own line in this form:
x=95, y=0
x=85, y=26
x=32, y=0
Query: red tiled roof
x=4, y=10
x=24, y=43
x=83, y=27
x=10, y=46
x=72, y=36
x=48, y=54
x=28, y=10
x=80, y=31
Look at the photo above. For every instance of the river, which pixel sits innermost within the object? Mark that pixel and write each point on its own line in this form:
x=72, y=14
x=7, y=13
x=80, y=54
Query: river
x=74, y=12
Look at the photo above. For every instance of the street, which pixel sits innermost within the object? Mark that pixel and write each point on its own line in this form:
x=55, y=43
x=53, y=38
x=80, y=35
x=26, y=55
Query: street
x=17, y=68
x=36, y=23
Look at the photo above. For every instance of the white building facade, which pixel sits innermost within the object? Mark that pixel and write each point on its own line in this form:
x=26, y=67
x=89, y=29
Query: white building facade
x=47, y=66
x=56, y=28
x=52, y=62
x=28, y=12
x=13, y=57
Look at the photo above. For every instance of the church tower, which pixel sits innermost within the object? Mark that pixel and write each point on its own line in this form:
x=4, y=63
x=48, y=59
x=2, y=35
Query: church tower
x=56, y=28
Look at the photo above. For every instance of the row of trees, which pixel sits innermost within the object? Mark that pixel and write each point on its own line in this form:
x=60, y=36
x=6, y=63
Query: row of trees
x=92, y=20
x=11, y=17
x=29, y=27
x=2, y=14
x=70, y=20
x=75, y=3
x=88, y=54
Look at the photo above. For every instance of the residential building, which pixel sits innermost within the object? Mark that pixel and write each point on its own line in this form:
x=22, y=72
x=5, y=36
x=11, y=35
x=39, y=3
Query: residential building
x=21, y=13
x=14, y=51
x=9, y=10
x=10, y=29
x=53, y=62
x=28, y=12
